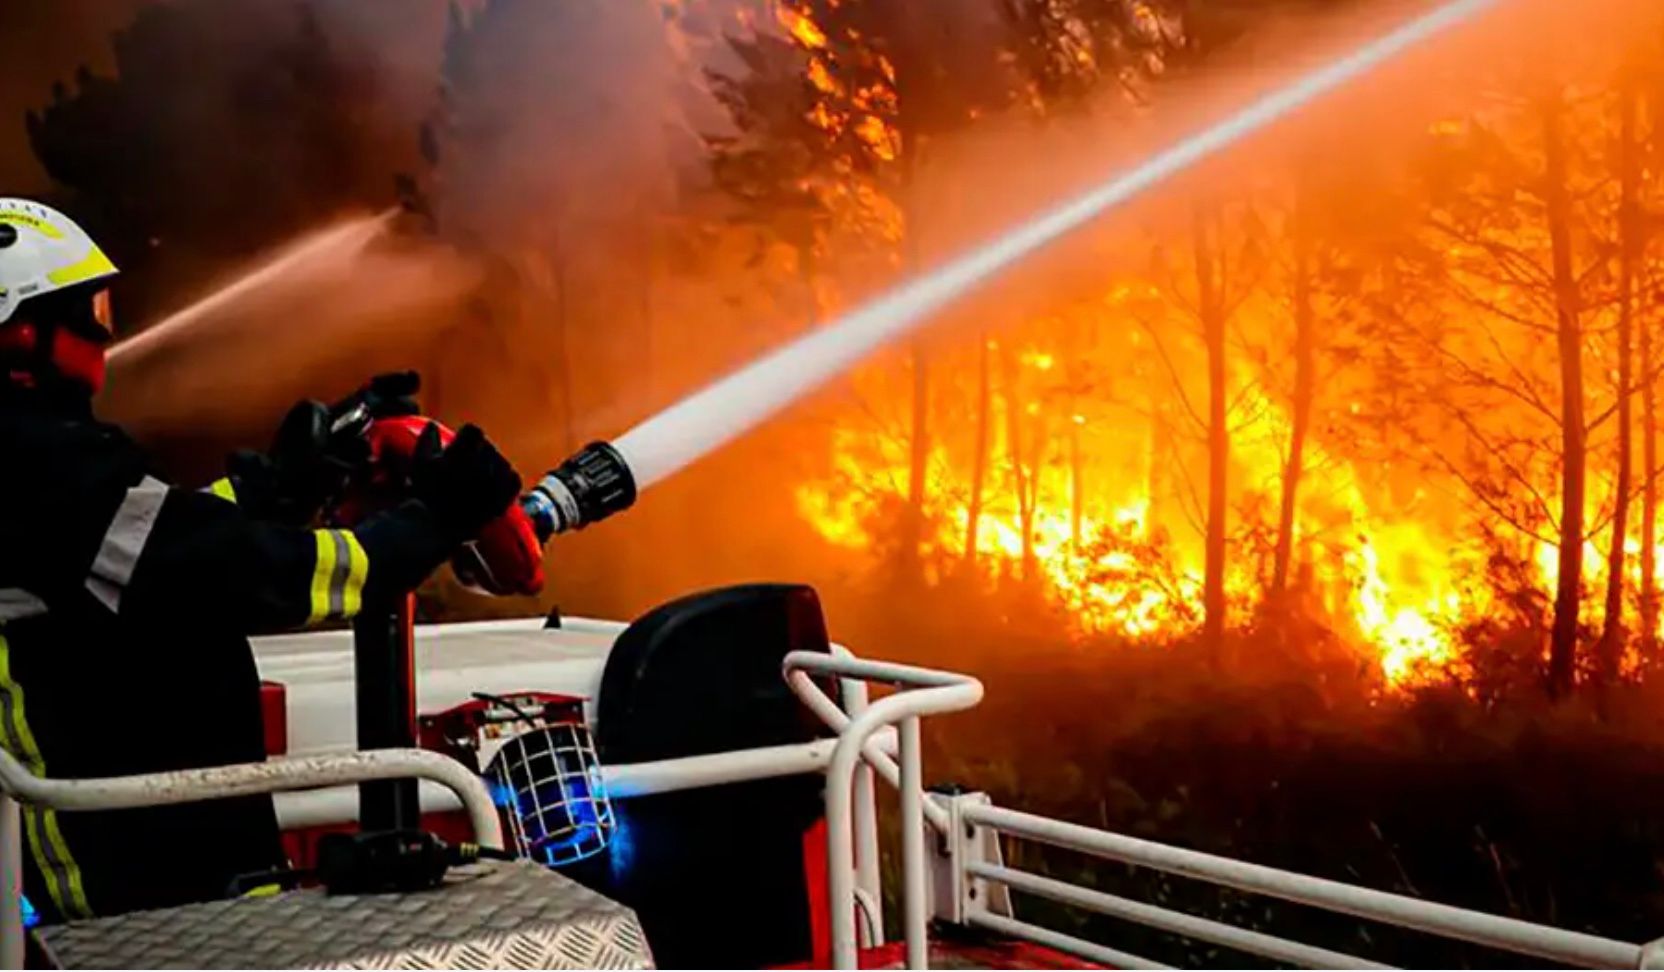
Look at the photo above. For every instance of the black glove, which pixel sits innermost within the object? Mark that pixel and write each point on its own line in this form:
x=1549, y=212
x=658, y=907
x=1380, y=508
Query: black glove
x=466, y=485
x=304, y=470
x=386, y=396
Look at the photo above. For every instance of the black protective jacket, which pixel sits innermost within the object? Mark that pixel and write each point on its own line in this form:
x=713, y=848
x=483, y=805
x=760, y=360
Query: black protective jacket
x=125, y=606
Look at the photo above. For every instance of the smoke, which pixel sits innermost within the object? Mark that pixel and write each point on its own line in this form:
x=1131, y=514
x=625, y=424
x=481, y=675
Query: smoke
x=42, y=43
x=311, y=320
x=552, y=133
x=540, y=136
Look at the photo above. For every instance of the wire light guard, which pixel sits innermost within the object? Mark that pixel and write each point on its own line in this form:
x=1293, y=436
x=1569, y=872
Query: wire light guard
x=548, y=780
x=540, y=764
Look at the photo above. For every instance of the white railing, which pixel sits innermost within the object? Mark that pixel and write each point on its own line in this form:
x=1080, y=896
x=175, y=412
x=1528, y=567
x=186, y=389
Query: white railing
x=972, y=885
x=923, y=692
x=960, y=877
x=331, y=806
x=18, y=785
x=1461, y=924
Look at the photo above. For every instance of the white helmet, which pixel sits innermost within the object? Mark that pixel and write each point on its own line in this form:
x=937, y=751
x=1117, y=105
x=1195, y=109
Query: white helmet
x=43, y=251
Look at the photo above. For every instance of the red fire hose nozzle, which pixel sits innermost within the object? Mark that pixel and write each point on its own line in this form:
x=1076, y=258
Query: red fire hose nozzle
x=507, y=556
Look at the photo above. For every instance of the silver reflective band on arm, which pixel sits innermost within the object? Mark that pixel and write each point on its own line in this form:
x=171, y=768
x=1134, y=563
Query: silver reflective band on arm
x=17, y=604
x=339, y=575
x=124, y=541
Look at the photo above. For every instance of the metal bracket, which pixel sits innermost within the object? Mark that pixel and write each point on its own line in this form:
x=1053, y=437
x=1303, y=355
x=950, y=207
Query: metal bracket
x=959, y=895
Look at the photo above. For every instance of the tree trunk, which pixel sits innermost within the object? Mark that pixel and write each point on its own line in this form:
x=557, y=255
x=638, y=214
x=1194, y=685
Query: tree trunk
x=1646, y=365
x=919, y=435
x=979, y=455
x=918, y=442
x=1649, y=496
x=1562, y=664
x=1077, y=463
x=1212, y=310
x=1629, y=178
x=1300, y=422
x=1020, y=473
x=1154, y=480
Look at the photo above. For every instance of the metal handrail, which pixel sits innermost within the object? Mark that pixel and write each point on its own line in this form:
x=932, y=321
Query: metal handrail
x=1480, y=928
x=868, y=879
x=18, y=785
x=929, y=692
x=249, y=779
x=932, y=692
x=1167, y=920
x=838, y=721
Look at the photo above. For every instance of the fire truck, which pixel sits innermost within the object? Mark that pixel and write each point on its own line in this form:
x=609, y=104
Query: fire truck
x=698, y=788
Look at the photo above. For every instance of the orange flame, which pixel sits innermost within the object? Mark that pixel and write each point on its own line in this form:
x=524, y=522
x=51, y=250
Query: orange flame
x=803, y=29
x=1389, y=584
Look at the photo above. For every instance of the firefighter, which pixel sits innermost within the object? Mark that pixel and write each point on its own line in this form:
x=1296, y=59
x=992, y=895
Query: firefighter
x=125, y=602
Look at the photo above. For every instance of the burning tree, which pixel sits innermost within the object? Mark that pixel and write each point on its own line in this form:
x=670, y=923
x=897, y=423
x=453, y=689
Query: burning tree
x=1526, y=268
x=835, y=116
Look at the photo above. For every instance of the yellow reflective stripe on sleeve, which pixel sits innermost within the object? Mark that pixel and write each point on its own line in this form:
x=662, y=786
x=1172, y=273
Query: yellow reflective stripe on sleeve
x=54, y=883
x=322, y=570
x=224, y=489
x=89, y=267
x=358, y=571
x=338, y=576
x=46, y=839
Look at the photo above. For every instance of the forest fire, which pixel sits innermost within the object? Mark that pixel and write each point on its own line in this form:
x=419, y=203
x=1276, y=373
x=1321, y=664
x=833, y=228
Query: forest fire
x=1114, y=569
x=1299, y=505
x=1314, y=385
x=1326, y=393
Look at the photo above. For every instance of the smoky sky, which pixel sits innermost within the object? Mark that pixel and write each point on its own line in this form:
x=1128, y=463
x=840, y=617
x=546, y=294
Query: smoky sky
x=42, y=41
x=46, y=41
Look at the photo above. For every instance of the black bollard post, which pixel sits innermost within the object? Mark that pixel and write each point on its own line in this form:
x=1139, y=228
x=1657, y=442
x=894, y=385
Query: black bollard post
x=384, y=667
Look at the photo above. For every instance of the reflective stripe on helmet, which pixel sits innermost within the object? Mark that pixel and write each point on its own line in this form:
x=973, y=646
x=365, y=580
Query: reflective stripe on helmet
x=91, y=267
x=37, y=223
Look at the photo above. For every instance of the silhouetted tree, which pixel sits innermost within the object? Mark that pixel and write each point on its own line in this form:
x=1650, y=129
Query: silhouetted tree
x=223, y=129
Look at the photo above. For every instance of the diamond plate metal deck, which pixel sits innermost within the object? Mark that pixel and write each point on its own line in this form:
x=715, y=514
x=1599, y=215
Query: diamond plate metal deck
x=489, y=916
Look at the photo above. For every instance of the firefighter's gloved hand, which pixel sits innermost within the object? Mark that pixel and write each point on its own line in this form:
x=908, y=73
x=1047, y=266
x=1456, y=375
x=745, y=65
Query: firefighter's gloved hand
x=304, y=470
x=386, y=396
x=466, y=485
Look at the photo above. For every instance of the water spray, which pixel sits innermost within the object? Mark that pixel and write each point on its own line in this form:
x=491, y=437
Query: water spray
x=604, y=478
x=346, y=239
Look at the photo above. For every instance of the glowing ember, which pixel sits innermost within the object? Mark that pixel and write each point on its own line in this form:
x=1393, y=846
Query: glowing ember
x=801, y=27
